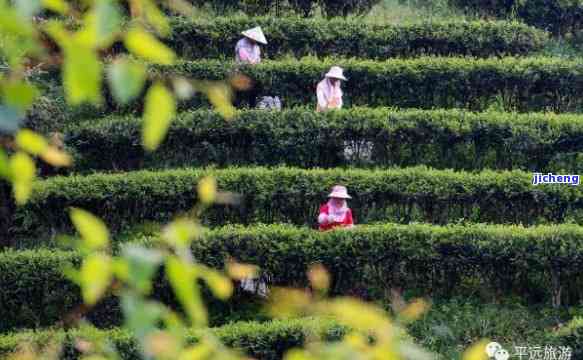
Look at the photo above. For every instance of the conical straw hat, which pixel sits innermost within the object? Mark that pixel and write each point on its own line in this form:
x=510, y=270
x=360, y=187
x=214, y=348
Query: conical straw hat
x=255, y=34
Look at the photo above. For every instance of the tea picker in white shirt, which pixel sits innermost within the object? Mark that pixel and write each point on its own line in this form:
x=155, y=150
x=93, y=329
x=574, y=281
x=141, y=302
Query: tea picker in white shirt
x=328, y=92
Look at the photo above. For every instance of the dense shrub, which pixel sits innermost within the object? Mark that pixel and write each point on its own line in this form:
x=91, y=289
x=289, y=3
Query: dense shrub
x=267, y=340
x=329, y=8
x=514, y=84
x=529, y=84
x=557, y=16
x=43, y=296
x=291, y=195
x=534, y=263
x=301, y=137
x=300, y=37
x=572, y=335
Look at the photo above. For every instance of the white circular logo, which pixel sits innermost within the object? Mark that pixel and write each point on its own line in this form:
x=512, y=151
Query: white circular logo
x=492, y=348
x=501, y=354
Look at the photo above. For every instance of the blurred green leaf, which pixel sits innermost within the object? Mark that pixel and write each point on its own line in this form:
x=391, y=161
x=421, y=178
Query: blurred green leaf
x=23, y=172
x=477, y=351
x=101, y=25
x=108, y=20
x=144, y=45
x=14, y=48
x=10, y=119
x=95, y=276
x=159, y=111
x=19, y=95
x=93, y=231
x=180, y=233
x=141, y=317
x=58, y=6
x=82, y=75
x=207, y=190
x=27, y=8
x=56, y=30
x=4, y=165
x=155, y=17
x=182, y=277
x=220, y=285
x=11, y=22
x=82, y=70
x=220, y=95
x=126, y=80
x=31, y=142
x=56, y=157
x=142, y=265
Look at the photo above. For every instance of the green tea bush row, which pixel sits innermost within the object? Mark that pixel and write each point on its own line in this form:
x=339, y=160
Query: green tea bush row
x=557, y=16
x=305, y=8
x=301, y=137
x=269, y=340
x=291, y=195
x=350, y=38
x=539, y=264
x=522, y=84
x=43, y=296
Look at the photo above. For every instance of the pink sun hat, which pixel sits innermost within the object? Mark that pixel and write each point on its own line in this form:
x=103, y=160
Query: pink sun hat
x=339, y=191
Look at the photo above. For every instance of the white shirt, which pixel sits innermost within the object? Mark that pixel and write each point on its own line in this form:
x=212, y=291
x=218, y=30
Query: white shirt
x=326, y=92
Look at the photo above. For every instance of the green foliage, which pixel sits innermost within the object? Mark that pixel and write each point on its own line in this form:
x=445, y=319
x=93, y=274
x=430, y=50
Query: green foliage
x=449, y=325
x=267, y=340
x=529, y=84
x=301, y=137
x=199, y=39
x=35, y=293
x=572, y=335
x=557, y=16
x=294, y=195
x=329, y=8
x=494, y=260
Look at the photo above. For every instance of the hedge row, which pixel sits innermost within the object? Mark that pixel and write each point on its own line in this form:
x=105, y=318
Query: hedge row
x=269, y=340
x=42, y=296
x=522, y=84
x=349, y=38
x=328, y=8
x=557, y=16
x=539, y=264
x=294, y=195
x=301, y=137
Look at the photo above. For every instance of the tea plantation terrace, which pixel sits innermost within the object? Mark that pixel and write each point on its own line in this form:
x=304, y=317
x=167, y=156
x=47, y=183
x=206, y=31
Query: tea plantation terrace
x=442, y=192
x=540, y=264
x=292, y=195
x=528, y=84
x=362, y=137
x=192, y=39
x=518, y=84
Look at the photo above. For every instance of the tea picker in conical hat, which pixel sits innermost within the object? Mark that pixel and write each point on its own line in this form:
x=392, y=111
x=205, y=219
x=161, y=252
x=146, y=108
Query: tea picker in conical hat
x=328, y=91
x=247, y=49
x=247, y=52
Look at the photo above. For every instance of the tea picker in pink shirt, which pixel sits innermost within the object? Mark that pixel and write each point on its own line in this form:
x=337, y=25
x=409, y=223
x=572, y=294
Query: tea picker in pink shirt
x=247, y=51
x=336, y=213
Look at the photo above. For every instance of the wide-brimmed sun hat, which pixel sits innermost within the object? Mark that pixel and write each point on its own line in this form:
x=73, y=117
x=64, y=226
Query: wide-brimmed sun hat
x=339, y=191
x=336, y=72
x=255, y=34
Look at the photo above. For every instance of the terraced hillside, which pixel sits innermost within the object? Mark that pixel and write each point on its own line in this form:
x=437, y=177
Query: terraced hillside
x=443, y=127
